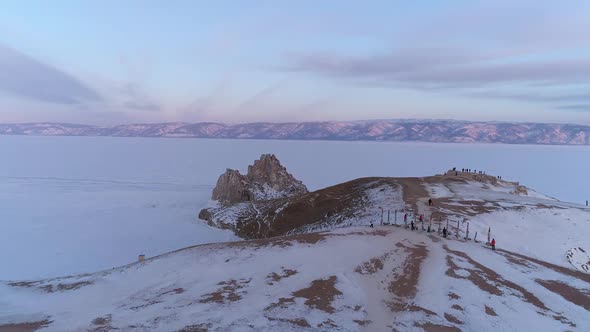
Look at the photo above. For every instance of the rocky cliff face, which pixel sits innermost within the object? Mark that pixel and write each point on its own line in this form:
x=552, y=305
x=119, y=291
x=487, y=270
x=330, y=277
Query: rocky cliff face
x=266, y=179
x=232, y=187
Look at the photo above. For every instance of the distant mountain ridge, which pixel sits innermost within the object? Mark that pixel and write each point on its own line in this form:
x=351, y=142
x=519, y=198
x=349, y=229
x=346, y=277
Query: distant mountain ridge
x=440, y=131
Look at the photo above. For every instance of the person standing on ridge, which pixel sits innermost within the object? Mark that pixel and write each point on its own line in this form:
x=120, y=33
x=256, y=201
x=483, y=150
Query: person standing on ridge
x=493, y=244
x=444, y=232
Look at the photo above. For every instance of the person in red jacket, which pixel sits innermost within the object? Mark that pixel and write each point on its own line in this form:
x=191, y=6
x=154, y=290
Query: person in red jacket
x=493, y=244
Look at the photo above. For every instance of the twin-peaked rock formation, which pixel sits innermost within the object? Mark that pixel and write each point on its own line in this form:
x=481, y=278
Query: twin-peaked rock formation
x=266, y=179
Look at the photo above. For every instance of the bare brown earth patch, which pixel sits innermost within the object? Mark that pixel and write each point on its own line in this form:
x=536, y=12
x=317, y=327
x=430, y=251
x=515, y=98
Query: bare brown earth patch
x=275, y=277
x=328, y=324
x=434, y=239
x=476, y=278
x=145, y=304
x=373, y=265
x=574, y=295
x=416, y=308
x=101, y=324
x=283, y=302
x=25, y=327
x=101, y=320
x=412, y=190
x=452, y=319
x=23, y=284
x=560, y=269
x=404, y=283
x=50, y=288
x=457, y=307
x=195, y=328
x=431, y=327
x=282, y=241
x=362, y=322
x=453, y=296
x=519, y=261
x=490, y=311
x=320, y=294
x=228, y=292
x=172, y=291
x=380, y=232
x=488, y=280
x=466, y=207
x=297, y=322
x=149, y=299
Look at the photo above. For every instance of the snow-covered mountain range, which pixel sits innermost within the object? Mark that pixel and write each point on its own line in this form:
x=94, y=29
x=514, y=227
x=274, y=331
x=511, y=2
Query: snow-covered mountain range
x=444, y=131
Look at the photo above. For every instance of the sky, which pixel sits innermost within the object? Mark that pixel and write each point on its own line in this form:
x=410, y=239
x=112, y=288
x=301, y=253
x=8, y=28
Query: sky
x=113, y=62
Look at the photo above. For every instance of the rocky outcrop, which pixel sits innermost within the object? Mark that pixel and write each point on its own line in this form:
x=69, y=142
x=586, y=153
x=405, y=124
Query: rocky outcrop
x=457, y=196
x=350, y=203
x=232, y=187
x=266, y=179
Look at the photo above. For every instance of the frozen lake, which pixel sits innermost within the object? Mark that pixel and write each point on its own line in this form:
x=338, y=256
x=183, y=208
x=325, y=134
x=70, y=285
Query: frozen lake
x=80, y=204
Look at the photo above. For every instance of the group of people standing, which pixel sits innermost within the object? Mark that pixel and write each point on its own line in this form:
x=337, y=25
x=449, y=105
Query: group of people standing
x=469, y=170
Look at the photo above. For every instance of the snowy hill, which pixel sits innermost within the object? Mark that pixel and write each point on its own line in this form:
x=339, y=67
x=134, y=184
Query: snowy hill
x=314, y=264
x=369, y=130
x=519, y=218
x=351, y=279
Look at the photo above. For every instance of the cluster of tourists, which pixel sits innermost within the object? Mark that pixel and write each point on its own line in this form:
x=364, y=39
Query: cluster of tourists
x=445, y=231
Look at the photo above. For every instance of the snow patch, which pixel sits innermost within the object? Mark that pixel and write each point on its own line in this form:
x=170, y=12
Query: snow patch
x=579, y=259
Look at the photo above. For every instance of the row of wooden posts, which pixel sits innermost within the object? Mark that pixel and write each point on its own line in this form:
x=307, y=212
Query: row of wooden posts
x=457, y=227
